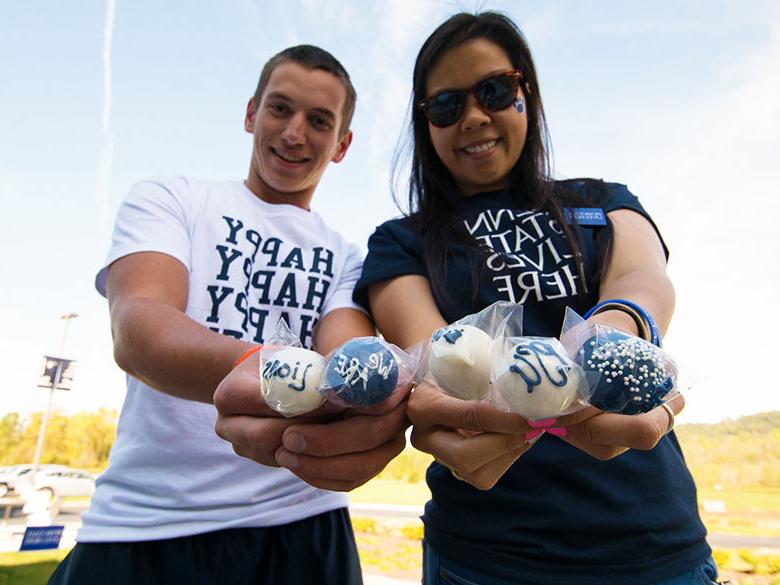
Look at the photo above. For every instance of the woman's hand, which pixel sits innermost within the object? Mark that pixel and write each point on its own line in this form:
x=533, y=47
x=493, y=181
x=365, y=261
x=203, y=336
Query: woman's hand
x=606, y=435
x=477, y=442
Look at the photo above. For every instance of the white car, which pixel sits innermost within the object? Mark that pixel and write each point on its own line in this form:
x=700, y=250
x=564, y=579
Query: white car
x=64, y=482
x=17, y=479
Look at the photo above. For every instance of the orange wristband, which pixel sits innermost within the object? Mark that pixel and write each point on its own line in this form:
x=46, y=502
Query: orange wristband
x=246, y=354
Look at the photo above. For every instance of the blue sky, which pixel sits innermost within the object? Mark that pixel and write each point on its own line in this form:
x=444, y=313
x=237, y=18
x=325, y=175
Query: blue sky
x=679, y=100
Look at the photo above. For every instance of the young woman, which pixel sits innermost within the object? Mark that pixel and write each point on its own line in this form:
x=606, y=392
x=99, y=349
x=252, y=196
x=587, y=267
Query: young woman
x=489, y=224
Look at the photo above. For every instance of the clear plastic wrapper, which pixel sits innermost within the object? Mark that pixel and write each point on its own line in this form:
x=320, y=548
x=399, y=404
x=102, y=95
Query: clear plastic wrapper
x=365, y=371
x=625, y=373
x=290, y=374
x=457, y=357
x=536, y=378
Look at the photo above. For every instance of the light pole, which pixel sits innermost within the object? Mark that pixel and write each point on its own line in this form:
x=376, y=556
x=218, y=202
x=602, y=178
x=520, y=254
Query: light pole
x=46, y=413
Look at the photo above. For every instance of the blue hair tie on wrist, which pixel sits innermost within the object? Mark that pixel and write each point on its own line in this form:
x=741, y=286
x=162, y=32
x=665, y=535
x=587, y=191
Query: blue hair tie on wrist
x=655, y=332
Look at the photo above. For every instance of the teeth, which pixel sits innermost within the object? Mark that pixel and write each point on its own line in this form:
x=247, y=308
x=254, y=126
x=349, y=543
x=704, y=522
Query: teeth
x=289, y=158
x=480, y=147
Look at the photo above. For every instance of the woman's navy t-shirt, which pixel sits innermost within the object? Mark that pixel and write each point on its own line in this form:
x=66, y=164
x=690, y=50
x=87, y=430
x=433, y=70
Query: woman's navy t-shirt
x=558, y=516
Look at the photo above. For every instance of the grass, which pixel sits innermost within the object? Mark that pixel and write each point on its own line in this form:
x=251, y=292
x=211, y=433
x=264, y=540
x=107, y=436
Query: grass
x=392, y=546
x=29, y=568
x=390, y=555
x=395, y=551
x=747, y=567
x=746, y=500
x=748, y=512
x=391, y=491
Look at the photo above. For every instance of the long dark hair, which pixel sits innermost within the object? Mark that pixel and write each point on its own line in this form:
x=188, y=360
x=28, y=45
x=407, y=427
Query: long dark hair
x=434, y=196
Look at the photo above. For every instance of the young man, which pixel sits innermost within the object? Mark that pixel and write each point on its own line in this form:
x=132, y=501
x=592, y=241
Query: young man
x=199, y=273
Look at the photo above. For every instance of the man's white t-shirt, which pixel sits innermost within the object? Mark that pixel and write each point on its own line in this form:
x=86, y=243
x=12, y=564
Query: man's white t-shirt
x=250, y=263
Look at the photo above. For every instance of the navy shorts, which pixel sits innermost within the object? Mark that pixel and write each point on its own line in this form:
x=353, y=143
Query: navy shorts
x=320, y=549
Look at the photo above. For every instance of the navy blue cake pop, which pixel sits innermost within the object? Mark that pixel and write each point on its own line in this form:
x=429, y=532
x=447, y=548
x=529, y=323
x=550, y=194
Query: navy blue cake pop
x=362, y=372
x=632, y=376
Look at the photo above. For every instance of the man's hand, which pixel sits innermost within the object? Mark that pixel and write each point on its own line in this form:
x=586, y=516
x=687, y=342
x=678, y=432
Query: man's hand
x=343, y=454
x=329, y=448
x=246, y=421
x=476, y=441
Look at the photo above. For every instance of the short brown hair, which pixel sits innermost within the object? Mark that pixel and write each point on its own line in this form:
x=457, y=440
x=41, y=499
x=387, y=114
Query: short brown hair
x=313, y=58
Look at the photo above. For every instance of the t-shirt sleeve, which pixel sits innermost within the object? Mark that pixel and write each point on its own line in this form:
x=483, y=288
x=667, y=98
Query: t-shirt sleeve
x=393, y=251
x=154, y=217
x=341, y=297
x=619, y=197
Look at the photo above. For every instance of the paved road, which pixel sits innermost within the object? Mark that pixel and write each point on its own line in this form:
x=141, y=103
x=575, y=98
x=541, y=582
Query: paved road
x=13, y=526
x=71, y=516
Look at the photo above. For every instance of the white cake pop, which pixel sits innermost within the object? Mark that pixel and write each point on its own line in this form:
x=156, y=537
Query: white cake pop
x=459, y=359
x=289, y=379
x=535, y=377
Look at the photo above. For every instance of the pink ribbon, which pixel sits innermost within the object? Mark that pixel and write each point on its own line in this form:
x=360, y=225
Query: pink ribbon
x=542, y=426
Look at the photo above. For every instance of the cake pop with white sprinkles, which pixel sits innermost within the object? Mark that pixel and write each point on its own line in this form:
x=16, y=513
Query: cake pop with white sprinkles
x=362, y=372
x=633, y=376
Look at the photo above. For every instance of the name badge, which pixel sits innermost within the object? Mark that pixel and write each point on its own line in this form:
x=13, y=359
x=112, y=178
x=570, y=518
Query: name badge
x=586, y=215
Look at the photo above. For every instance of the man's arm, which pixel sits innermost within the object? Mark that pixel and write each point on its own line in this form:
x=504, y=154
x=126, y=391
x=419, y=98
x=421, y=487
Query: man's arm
x=340, y=326
x=154, y=340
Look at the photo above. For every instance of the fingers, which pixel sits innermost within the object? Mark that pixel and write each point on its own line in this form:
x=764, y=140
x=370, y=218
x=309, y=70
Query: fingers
x=429, y=407
x=353, y=434
x=475, y=440
x=677, y=404
x=341, y=472
x=346, y=453
x=485, y=477
x=239, y=394
x=579, y=438
x=480, y=460
x=252, y=437
x=579, y=416
x=470, y=454
x=608, y=435
x=239, y=391
x=391, y=402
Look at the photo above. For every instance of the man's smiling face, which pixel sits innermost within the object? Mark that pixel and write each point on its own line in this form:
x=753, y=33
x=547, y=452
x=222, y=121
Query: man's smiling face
x=297, y=131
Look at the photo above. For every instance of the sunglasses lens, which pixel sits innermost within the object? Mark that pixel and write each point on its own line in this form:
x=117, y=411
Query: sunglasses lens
x=496, y=93
x=445, y=108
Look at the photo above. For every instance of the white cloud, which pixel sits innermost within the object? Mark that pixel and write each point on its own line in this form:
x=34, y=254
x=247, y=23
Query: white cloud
x=720, y=168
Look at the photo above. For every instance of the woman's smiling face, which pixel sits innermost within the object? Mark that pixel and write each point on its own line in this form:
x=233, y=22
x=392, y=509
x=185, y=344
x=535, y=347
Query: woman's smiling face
x=482, y=147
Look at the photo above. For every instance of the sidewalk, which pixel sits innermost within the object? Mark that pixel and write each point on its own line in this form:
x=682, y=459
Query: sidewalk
x=369, y=579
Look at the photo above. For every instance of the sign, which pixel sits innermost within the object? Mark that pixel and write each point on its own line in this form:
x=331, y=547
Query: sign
x=41, y=537
x=57, y=373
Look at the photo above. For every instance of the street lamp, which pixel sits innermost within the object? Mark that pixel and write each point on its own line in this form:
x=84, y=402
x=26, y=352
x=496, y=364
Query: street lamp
x=56, y=378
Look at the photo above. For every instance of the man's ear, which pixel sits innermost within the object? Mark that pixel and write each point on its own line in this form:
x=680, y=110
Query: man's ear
x=249, y=120
x=342, y=147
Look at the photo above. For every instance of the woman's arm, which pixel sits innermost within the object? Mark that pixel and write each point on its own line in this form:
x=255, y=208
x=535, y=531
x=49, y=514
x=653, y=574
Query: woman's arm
x=477, y=442
x=636, y=272
x=404, y=309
